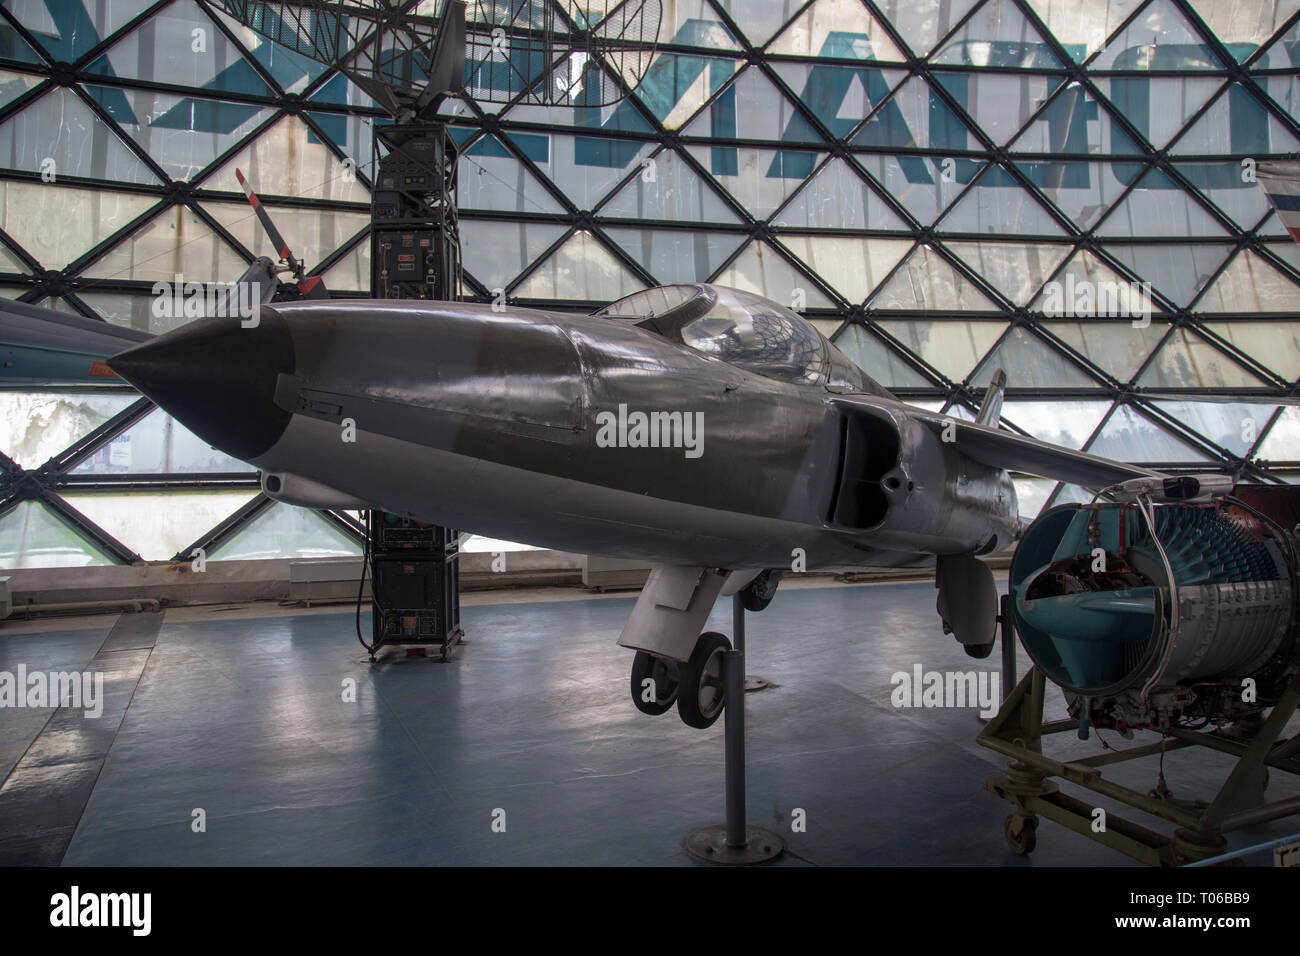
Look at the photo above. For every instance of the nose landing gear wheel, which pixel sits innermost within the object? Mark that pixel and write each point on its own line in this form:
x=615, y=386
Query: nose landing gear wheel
x=663, y=676
x=700, y=697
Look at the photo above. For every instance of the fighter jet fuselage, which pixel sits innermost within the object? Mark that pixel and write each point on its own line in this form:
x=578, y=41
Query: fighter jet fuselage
x=593, y=434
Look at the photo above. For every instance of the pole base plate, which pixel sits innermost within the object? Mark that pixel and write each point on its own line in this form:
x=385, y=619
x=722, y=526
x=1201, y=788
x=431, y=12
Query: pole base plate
x=709, y=845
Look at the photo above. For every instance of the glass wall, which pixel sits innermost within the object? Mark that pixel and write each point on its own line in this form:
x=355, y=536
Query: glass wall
x=1061, y=188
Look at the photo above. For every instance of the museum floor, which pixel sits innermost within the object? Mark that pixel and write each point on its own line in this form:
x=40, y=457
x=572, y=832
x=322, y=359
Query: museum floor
x=239, y=712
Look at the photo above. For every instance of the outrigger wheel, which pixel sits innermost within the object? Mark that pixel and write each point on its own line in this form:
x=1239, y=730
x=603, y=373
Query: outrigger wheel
x=664, y=675
x=700, y=697
x=758, y=593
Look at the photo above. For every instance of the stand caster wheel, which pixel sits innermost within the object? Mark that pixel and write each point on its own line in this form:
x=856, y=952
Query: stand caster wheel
x=758, y=593
x=662, y=689
x=1022, y=841
x=700, y=696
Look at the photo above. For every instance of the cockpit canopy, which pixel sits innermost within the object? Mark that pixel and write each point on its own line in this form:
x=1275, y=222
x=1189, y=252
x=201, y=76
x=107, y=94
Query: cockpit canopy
x=738, y=327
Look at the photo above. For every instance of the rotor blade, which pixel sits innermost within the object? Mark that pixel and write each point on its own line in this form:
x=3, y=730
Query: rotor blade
x=281, y=247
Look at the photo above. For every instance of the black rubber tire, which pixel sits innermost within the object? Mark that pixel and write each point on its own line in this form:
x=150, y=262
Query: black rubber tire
x=699, y=670
x=758, y=593
x=979, y=651
x=663, y=674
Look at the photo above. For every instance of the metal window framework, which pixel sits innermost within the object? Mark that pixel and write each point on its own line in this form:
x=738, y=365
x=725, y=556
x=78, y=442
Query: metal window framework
x=46, y=481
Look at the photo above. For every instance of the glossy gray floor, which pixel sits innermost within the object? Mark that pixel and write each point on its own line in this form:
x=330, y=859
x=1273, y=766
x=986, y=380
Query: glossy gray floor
x=532, y=728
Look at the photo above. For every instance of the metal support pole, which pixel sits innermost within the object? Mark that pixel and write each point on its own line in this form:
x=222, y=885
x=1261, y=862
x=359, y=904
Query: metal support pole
x=735, y=841
x=1008, y=646
x=733, y=681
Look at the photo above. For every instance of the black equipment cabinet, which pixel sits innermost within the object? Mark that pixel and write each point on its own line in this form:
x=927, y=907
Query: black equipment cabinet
x=415, y=585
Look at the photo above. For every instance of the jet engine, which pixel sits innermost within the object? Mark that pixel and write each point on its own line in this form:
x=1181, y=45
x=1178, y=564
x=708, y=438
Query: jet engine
x=1151, y=613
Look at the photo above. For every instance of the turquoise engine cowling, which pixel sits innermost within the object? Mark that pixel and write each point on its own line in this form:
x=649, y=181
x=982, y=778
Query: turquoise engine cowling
x=1093, y=605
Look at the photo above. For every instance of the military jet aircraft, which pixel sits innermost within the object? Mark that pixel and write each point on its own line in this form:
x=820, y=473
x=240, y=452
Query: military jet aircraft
x=707, y=430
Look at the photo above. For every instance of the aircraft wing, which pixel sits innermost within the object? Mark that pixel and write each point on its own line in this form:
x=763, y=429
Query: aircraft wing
x=42, y=346
x=999, y=448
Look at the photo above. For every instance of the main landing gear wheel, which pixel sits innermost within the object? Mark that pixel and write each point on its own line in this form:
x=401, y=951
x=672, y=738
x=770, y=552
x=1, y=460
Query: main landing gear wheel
x=978, y=651
x=758, y=593
x=663, y=675
x=700, y=697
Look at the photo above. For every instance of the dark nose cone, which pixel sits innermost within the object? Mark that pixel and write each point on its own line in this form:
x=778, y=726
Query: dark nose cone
x=218, y=379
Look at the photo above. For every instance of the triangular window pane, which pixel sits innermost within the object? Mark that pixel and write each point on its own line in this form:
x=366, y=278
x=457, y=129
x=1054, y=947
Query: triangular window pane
x=1017, y=270
x=158, y=524
x=675, y=255
x=924, y=185
x=1000, y=103
x=928, y=281
x=32, y=536
x=693, y=23
x=293, y=71
x=1129, y=436
x=923, y=23
x=581, y=269
x=878, y=359
x=496, y=252
x=1068, y=424
x=1275, y=345
x=490, y=177
x=840, y=97
x=14, y=85
x=1031, y=496
x=584, y=168
x=953, y=348
x=290, y=160
x=14, y=47
x=1088, y=288
x=1157, y=39
x=676, y=85
x=1116, y=346
x=1158, y=206
x=1221, y=183
x=312, y=234
x=1158, y=106
x=158, y=444
x=1030, y=363
x=1188, y=361
x=1283, y=440
x=760, y=180
x=1288, y=252
x=1178, y=270
x=1244, y=27
x=1249, y=284
x=915, y=116
x=760, y=269
x=285, y=531
x=668, y=188
x=998, y=204
x=160, y=51
x=759, y=19
x=36, y=426
x=182, y=134
x=60, y=128
x=838, y=198
x=351, y=273
x=997, y=35
x=69, y=30
x=852, y=266
x=133, y=310
x=1235, y=426
x=752, y=108
x=1236, y=122
x=174, y=242
x=1083, y=26
x=57, y=224
x=1074, y=122
x=837, y=28
x=10, y=262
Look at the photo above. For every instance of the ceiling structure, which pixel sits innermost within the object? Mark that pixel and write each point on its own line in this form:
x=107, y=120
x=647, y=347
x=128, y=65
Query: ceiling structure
x=1061, y=188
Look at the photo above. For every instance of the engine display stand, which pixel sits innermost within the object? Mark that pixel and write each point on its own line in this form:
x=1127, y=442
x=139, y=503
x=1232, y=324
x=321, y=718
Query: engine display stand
x=1030, y=782
x=736, y=841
